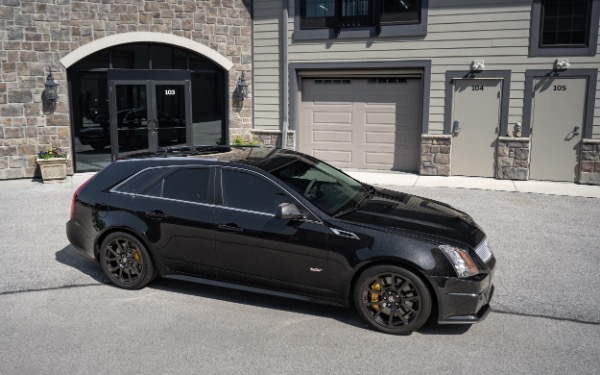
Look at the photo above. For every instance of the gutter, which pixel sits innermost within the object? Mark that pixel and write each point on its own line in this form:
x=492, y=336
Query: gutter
x=285, y=95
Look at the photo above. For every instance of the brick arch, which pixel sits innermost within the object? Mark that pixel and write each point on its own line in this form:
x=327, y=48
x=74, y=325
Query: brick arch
x=137, y=37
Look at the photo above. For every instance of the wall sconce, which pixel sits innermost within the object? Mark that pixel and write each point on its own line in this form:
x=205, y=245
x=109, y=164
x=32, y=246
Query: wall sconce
x=518, y=129
x=561, y=64
x=477, y=66
x=50, y=96
x=242, y=87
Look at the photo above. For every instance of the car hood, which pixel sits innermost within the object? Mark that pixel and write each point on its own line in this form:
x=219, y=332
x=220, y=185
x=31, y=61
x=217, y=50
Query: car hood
x=388, y=209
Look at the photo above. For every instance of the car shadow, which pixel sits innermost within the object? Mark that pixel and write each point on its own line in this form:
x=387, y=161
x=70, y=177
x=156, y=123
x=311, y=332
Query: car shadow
x=71, y=257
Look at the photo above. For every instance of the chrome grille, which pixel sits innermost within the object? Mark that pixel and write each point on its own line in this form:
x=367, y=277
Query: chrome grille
x=483, y=251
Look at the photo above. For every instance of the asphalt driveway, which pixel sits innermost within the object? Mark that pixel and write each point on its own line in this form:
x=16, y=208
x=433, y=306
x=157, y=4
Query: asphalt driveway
x=57, y=315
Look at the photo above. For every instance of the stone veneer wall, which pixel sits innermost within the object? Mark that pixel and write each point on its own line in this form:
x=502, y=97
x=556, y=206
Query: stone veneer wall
x=512, y=162
x=273, y=138
x=35, y=35
x=435, y=155
x=590, y=162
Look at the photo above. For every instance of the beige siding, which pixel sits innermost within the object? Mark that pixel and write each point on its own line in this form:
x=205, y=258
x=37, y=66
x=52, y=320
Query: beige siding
x=459, y=31
x=267, y=62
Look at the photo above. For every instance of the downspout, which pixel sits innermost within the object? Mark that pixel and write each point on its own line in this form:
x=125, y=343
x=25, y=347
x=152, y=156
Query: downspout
x=284, y=71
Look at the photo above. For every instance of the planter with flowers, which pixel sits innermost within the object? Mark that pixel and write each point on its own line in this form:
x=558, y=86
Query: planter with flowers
x=53, y=164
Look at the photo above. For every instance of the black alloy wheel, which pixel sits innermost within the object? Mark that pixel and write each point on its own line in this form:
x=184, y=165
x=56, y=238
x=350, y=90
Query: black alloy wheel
x=392, y=299
x=126, y=261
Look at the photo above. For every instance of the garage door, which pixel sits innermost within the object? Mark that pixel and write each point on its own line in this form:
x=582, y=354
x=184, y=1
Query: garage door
x=372, y=123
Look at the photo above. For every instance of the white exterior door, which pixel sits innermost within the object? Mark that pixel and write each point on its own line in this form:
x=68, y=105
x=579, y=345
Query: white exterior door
x=362, y=123
x=475, y=120
x=556, y=127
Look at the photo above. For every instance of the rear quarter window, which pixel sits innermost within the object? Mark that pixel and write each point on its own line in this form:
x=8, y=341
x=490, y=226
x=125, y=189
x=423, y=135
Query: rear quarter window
x=184, y=184
x=140, y=182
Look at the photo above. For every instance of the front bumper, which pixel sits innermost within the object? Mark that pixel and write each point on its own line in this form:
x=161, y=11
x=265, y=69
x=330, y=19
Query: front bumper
x=463, y=301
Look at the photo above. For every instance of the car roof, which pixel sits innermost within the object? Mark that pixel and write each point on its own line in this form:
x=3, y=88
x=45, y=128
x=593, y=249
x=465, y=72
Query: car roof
x=264, y=158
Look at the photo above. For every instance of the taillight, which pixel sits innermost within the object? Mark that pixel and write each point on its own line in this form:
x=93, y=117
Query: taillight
x=75, y=194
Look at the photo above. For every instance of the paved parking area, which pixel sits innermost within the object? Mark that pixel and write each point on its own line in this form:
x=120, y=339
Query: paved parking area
x=58, y=315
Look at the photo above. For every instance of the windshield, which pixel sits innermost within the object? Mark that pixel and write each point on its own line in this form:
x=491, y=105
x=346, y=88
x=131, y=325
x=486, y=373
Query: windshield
x=327, y=188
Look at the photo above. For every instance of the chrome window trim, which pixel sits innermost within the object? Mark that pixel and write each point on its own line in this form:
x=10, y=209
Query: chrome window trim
x=114, y=189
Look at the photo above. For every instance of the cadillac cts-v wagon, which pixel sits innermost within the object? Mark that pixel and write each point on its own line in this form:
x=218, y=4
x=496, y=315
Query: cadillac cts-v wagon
x=281, y=221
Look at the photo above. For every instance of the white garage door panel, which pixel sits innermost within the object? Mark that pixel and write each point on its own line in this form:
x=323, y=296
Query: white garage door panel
x=332, y=118
x=331, y=136
x=378, y=128
x=375, y=159
x=375, y=138
x=373, y=118
x=343, y=157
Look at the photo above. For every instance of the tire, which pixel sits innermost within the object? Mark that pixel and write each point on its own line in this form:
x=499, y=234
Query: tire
x=126, y=262
x=392, y=299
x=98, y=145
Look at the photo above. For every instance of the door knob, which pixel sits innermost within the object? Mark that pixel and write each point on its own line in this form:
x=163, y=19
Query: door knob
x=456, y=127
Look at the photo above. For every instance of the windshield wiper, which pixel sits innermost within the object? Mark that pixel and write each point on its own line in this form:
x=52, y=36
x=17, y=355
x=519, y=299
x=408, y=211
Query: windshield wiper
x=362, y=199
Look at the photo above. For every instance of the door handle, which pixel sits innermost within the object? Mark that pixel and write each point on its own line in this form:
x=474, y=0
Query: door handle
x=577, y=130
x=456, y=127
x=156, y=215
x=230, y=228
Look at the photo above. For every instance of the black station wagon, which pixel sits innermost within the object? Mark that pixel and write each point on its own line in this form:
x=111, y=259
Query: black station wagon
x=284, y=222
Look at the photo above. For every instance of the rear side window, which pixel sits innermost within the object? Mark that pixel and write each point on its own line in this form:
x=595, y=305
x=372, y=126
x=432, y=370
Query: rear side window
x=141, y=181
x=188, y=184
x=184, y=184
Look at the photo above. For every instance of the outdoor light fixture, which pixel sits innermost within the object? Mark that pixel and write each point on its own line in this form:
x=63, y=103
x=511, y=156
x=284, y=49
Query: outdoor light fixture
x=477, y=65
x=51, y=88
x=561, y=64
x=242, y=87
x=50, y=95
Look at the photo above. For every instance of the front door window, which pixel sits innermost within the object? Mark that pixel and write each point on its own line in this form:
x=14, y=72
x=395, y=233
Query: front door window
x=147, y=115
x=171, y=115
x=130, y=120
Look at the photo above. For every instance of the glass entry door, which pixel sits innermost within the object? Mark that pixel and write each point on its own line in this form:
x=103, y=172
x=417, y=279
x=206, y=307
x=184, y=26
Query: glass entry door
x=146, y=115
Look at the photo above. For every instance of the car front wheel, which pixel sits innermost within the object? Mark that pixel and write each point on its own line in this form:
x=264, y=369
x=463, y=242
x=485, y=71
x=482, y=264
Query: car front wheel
x=125, y=261
x=392, y=299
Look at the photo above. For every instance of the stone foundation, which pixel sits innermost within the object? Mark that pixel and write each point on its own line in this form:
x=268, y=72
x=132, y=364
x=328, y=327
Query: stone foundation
x=589, y=172
x=435, y=155
x=272, y=138
x=512, y=162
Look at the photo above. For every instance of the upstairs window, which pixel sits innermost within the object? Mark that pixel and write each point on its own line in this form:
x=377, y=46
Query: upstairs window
x=340, y=15
x=564, y=27
x=565, y=23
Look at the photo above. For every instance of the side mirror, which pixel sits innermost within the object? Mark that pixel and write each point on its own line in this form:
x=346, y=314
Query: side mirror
x=289, y=211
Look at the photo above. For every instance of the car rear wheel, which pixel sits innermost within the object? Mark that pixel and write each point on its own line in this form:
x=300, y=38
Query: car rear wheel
x=98, y=145
x=125, y=261
x=392, y=299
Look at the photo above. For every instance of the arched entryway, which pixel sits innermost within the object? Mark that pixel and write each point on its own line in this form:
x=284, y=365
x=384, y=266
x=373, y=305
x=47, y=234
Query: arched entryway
x=141, y=96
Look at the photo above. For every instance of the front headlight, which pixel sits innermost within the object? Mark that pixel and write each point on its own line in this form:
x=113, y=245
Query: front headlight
x=460, y=259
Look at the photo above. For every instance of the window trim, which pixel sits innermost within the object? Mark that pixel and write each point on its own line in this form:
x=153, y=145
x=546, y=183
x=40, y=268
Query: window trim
x=387, y=30
x=535, y=34
x=502, y=75
x=592, y=77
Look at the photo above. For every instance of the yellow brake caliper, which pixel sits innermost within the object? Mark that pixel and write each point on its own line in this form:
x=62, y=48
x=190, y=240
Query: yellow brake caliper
x=374, y=297
x=137, y=255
